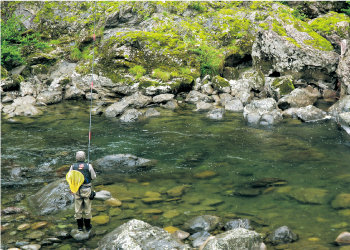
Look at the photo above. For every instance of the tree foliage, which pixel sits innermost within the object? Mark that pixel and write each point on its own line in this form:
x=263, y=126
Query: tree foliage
x=16, y=43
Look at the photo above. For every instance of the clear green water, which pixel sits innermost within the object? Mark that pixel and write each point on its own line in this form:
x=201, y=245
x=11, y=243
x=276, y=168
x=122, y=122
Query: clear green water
x=306, y=155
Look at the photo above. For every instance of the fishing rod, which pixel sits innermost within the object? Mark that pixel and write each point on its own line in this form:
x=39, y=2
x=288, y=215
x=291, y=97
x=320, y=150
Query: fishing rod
x=92, y=81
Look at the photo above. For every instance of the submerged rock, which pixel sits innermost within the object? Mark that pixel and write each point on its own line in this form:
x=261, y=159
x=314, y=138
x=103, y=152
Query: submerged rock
x=135, y=235
x=151, y=112
x=296, y=99
x=122, y=163
x=310, y=195
x=216, y=114
x=81, y=235
x=203, y=106
x=201, y=223
x=172, y=104
x=341, y=201
x=116, y=109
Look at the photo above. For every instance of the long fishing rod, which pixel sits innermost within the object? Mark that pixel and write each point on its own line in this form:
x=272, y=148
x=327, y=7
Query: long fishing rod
x=92, y=82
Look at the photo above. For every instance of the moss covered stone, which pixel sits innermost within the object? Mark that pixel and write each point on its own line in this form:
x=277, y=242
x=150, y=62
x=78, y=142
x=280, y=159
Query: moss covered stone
x=40, y=69
x=145, y=83
x=17, y=79
x=4, y=73
x=284, y=84
x=41, y=58
x=219, y=82
x=332, y=22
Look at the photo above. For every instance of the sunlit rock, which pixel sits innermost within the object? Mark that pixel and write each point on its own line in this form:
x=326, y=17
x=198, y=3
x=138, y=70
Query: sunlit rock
x=112, y=202
x=23, y=227
x=306, y=114
x=151, y=112
x=296, y=99
x=163, y=98
x=199, y=238
x=239, y=223
x=100, y=219
x=38, y=225
x=195, y=96
x=203, y=106
x=234, y=106
x=131, y=115
x=171, y=229
x=171, y=214
x=201, y=223
x=343, y=239
x=152, y=211
x=172, y=104
x=117, y=108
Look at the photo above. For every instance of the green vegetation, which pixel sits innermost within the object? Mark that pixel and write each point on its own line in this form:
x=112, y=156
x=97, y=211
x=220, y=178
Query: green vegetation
x=16, y=44
x=137, y=70
x=75, y=54
x=163, y=75
x=328, y=23
x=347, y=10
x=211, y=60
x=298, y=14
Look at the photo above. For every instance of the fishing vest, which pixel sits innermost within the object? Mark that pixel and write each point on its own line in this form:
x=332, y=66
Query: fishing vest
x=84, y=169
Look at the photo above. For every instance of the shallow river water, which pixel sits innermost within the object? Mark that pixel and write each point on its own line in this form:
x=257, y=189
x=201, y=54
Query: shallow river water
x=186, y=143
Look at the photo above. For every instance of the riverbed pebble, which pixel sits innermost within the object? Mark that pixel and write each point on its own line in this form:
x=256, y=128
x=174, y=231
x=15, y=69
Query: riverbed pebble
x=38, y=225
x=34, y=235
x=23, y=227
x=113, y=202
x=100, y=220
x=343, y=239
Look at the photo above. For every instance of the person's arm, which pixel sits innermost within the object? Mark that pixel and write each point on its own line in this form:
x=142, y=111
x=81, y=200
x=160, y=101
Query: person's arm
x=71, y=168
x=92, y=172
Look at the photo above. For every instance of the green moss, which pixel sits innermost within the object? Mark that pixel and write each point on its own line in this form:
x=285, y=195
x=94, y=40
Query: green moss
x=4, y=73
x=145, y=83
x=278, y=28
x=219, y=82
x=284, y=84
x=65, y=81
x=41, y=58
x=291, y=40
x=327, y=24
x=159, y=74
x=137, y=70
x=265, y=26
x=17, y=79
x=40, y=69
x=260, y=17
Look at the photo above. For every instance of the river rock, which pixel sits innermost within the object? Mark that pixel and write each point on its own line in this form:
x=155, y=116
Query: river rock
x=152, y=200
x=131, y=115
x=52, y=198
x=49, y=97
x=263, y=112
x=267, y=182
x=178, y=191
x=152, y=211
x=344, y=120
x=216, y=114
x=23, y=227
x=206, y=174
x=172, y=104
x=207, y=89
x=180, y=234
x=151, y=112
x=306, y=114
x=199, y=238
x=201, y=223
x=112, y=202
x=279, y=86
x=203, y=106
x=26, y=100
x=195, y=96
x=28, y=88
x=27, y=110
x=135, y=235
x=310, y=195
x=122, y=163
x=171, y=214
x=100, y=219
x=34, y=235
x=238, y=238
x=225, y=98
x=341, y=201
x=343, y=239
x=239, y=223
x=343, y=71
x=163, y=98
x=234, y=106
x=138, y=100
x=38, y=225
x=117, y=108
x=31, y=247
x=103, y=195
x=282, y=235
x=341, y=106
x=11, y=210
x=296, y=99
x=81, y=235
x=152, y=90
x=73, y=93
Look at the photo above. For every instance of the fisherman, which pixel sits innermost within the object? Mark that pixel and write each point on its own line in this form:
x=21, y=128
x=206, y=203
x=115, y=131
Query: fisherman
x=82, y=197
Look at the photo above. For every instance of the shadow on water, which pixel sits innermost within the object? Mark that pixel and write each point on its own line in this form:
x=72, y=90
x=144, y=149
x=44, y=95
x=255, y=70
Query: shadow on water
x=217, y=160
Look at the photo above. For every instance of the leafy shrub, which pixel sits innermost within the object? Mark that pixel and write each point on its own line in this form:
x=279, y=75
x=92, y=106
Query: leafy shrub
x=137, y=70
x=298, y=14
x=347, y=11
x=211, y=60
x=185, y=70
x=198, y=6
x=16, y=43
x=75, y=54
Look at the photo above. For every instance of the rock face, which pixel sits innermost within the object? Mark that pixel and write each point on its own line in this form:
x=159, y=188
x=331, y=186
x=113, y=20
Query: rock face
x=282, y=235
x=263, y=112
x=135, y=235
x=238, y=238
x=52, y=198
x=201, y=223
x=123, y=163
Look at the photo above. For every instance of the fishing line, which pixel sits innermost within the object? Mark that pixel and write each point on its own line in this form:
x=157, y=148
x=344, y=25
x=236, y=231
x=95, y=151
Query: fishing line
x=92, y=82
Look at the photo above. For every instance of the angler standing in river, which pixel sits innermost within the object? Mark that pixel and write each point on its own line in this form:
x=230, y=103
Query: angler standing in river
x=84, y=196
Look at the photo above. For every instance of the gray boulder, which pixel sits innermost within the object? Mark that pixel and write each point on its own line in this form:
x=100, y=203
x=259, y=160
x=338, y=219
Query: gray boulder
x=238, y=239
x=125, y=89
x=203, y=106
x=207, y=89
x=224, y=98
x=234, y=106
x=28, y=88
x=216, y=114
x=172, y=104
x=49, y=97
x=296, y=99
x=138, y=100
x=201, y=223
x=131, y=115
x=151, y=112
x=344, y=120
x=116, y=108
x=103, y=195
x=306, y=114
x=122, y=163
x=263, y=112
x=52, y=198
x=255, y=79
x=282, y=235
x=152, y=90
x=343, y=72
x=27, y=110
x=26, y=100
x=163, y=98
x=195, y=96
x=239, y=223
x=81, y=235
x=341, y=106
x=199, y=238
x=139, y=235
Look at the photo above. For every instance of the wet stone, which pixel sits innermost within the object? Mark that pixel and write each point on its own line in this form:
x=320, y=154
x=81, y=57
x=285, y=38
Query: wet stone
x=152, y=211
x=171, y=229
x=266, y=182
x=341, y=201
x=171, y=214
x=34, y=235
x=81, y=235
x=310, y=195
x=100, y=220
x=212, y=202
x=38, y=225
x=23, y=227
x=343, y=239
x=282, y=235
x=201, y=223
x=152, y=200
x=177, y=191
x=115, y=211
x=181, y=234
x=240, y=223
x=113, y=202
x=206, y=174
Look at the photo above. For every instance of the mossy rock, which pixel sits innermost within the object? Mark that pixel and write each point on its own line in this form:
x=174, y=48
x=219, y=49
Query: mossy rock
x=4, y=73
x=332, y=22
x=231, y=73
x=310, y=195
x=40, y=69
x=145, y=83
x=218, y=82
x=41, y=58
x=284, y=84
x=341, y=201
x=65, y=81
x=17, y=79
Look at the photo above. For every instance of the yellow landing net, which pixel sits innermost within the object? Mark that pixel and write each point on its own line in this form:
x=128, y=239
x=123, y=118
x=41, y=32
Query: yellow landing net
x=74, y=179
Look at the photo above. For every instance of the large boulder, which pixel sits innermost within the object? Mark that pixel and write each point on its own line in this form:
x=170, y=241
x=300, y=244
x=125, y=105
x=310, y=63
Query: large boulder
x=282, y=235
x=234, y=106
x=344, y=120
x=195, y=96
x=139, y=235
x=50, y=97
x=341, y=106
x=343, y=72
x=73, y=93
x=131, y=115
x=163, y=98
x=306, y=114
x=238, y=239
x=52, y=198
x=117, y=108
x=263, y=112
x=122, y=163
x=138, y=100
x=27, y=110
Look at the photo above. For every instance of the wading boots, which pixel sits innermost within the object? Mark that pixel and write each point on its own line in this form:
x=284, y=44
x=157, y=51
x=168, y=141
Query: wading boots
x=80, y=224
x=88, y=226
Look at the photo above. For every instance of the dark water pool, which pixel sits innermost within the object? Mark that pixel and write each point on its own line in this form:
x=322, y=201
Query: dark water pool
x=305, y=155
